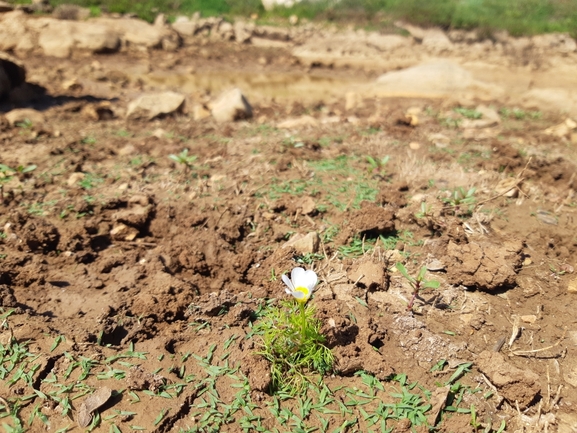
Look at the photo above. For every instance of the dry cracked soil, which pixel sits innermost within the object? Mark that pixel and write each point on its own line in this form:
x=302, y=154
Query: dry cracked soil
x=130, y=283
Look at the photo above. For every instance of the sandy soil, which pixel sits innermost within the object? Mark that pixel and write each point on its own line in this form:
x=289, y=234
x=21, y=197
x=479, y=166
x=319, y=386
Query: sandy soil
x=121, y=269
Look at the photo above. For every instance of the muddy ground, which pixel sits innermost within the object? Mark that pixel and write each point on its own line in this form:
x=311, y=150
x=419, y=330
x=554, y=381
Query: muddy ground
x=125, y=270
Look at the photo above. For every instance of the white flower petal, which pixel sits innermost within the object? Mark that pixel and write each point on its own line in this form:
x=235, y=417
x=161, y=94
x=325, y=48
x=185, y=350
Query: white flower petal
x=298, y=276
x=310, y=280
x=289, y=283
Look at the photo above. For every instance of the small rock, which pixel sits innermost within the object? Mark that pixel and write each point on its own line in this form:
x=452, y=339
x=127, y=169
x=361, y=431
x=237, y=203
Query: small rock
x=304, y=244
x=572, y=286
x=529, y=318
x=561, y=130
x=74, y=178
x=414, y=145
x=122, y=232
x=243, y=31
x=231, y=106
x=155, y=104
x=200, y=112
x=159, y=133
x=298, y=122
x=293, y=20
x=439, y=140
x=21, y=115
x=306, y=204
x=99, y=111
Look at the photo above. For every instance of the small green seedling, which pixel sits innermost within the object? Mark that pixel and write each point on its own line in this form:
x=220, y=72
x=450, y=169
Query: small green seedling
x=461, y=201
x=418, y=283
x=426, y=211
x=184, y=159
x=376, y=163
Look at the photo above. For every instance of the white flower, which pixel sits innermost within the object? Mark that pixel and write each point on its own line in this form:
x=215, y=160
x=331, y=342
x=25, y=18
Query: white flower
x=301, y=284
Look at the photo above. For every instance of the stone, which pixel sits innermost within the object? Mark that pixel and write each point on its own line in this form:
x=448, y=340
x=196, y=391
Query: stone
x=122, y=232
x=439, y=140
x=436, y=79
x=514, y=384
x=225, y=30
x=304, y=244
x=306, y=204
x=230, y=106
x=436, y=40
x=155, y=104
x=14, y=31
x=572, y=286
x=74, y=178
x=20, y=115
x=135, y=32
x=98, y=111
x=94, y=37
x=56, y=40
x=562, y=129
x=184, y=27
x=243, y=31
x=200, y=112
x=299, y=122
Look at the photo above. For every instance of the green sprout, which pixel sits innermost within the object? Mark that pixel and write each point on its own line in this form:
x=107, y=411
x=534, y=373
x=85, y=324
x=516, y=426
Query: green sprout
x=377, y=163
x=461, y=201
x=418, y=283
x=184, y=159
x=291, y=337
x=426, y=211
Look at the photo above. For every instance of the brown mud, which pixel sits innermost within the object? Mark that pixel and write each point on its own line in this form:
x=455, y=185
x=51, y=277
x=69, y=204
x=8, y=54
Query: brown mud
x=115, y=257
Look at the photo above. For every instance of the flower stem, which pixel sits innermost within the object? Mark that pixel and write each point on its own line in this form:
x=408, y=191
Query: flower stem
x=303, y=320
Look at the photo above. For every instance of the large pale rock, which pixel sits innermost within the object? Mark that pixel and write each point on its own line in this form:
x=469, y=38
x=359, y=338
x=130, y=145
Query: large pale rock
x=436, y=79
x=13, y=31
x=137, y=32
x=230, y=106
x=94, y=37
x=56, y=40
x=12, y=74
x=155, y=104
x=185, y=27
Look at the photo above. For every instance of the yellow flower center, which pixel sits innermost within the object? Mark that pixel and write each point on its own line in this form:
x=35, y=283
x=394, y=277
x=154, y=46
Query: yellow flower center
x=305, y=292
